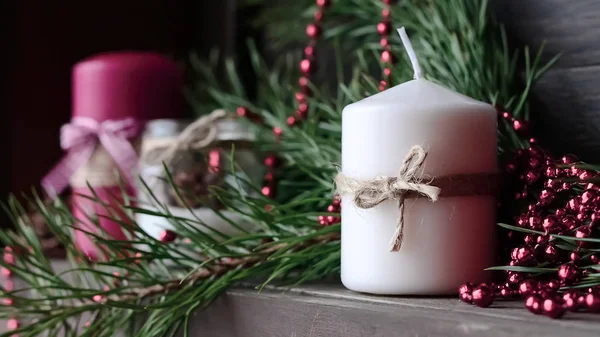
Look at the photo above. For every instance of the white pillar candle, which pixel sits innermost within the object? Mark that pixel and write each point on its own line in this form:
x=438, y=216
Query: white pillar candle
x=445, y=243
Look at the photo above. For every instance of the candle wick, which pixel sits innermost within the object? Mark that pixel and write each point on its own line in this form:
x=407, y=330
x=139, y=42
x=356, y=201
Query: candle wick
x=411, y=53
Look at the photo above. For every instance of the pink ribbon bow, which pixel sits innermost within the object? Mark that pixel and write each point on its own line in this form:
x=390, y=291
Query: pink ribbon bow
x=80, y=138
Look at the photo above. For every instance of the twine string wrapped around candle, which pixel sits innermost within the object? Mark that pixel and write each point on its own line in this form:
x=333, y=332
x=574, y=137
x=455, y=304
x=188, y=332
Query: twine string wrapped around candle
x=196, y=136
x=410, y=183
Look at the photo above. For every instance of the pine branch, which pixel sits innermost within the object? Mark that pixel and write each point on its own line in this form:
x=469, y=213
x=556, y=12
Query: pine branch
x=203, y=273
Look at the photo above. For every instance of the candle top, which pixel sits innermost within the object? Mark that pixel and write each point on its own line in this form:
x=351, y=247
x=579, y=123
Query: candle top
x=417, y=95
x=117, y=85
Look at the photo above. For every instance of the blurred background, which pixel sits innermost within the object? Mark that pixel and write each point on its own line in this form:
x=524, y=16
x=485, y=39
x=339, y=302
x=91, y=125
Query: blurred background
x=44, y=39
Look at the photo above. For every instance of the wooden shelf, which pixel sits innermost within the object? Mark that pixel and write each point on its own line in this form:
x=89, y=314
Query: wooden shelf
x=332, y=311
x=329, y=310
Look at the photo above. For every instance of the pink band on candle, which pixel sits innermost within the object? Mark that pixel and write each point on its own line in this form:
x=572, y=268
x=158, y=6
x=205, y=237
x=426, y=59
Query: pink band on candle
x=80, y=138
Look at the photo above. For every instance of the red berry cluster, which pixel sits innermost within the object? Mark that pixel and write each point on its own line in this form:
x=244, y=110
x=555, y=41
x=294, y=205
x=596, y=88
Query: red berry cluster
x=335, y=207
x=384, y=28
x=561, y=201
x=9, y=258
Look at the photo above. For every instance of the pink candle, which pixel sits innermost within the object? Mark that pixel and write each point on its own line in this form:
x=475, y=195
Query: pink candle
x=115, y=87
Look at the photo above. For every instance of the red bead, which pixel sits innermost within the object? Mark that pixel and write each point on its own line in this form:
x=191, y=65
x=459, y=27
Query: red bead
x=535, y=222
x=535, y=162
x=12, y=324
x=507, y=293
x=592, y=186
x=575, y=171
x=532, y=176
x=510, y=168
x=547, y=196
x=592, y=302
x=309, y=51
x=97, y=298
x=387, y=72
x=466, y=297
x=8, y=285
x=550, y=223
x=552, y=285
x=565, y=186
x=300, y=97
x=529, y=239
x=522, y=254
x=527, y=287
x=569, y=159
x=507, y=115
x=595, y=219
x=573, y=205
x=585, y=175
x=277, y=131
x=9, y=258
x=568, y=273
x=560, y=212
x=271, y=161
x=594, y=258
x=574, y=256
x=384, y=28
x=307, y=66
x=550, y=253
x=552, y=308
x=291, y=120
x=533, y=303
x=313, y=30
x=482, y=297
x=267, y=191
x=570, y=222
x=7, y=302
x=384, y=42
x=323, y=3
x=583, y=232
x=387, y=57
x=520, y=126
x=515, y=278
x=532, y=140
x=385, y=13
x=242, y=112
x=301, y=114
x=167, y=236
x=570, y=300
x=550, y=172
x=303, y=107
x=6, y=272
x=318, y=16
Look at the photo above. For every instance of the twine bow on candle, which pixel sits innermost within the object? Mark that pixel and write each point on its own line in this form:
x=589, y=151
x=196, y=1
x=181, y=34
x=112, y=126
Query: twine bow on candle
x=196, y=136
x=368, y=194
x=80, y=139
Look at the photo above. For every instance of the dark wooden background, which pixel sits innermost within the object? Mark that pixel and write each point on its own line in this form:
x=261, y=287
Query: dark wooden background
x=567, y=98
x=43, y=39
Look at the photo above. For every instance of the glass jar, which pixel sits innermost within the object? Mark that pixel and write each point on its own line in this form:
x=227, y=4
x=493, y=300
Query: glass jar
x=193, y=172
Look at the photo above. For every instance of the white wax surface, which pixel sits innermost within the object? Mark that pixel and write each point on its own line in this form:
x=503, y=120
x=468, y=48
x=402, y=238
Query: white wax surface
x=446, y=243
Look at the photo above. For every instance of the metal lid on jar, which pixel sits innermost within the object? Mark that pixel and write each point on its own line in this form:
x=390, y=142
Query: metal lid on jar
x=228, y=129
x=234, y=129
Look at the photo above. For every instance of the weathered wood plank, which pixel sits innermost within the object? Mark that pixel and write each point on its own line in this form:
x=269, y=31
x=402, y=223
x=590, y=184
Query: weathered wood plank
x=568, y=106
x=568, y=27
x=333, y=311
